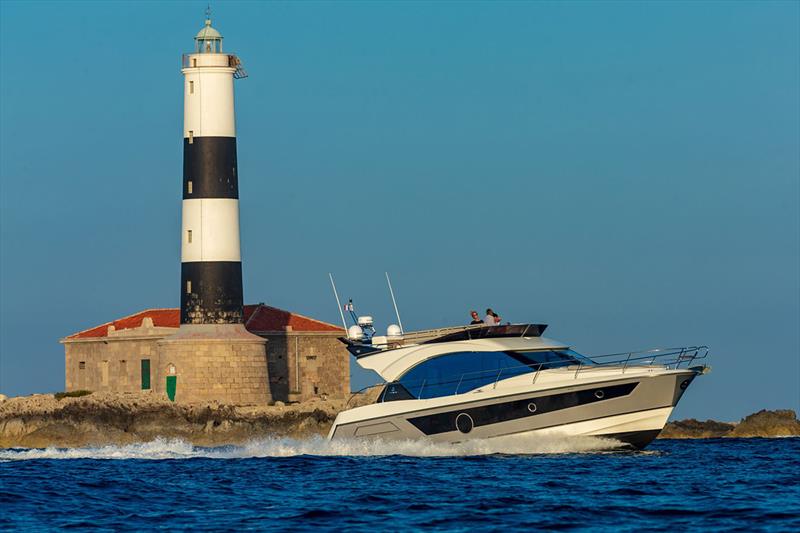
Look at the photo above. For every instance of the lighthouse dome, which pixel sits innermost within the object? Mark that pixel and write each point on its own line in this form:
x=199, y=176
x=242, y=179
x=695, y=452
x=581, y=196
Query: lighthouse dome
x=208, y=32
x=209, y=40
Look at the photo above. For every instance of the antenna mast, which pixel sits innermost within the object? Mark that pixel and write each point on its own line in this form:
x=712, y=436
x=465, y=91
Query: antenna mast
x=339, y=304
x=394, y=302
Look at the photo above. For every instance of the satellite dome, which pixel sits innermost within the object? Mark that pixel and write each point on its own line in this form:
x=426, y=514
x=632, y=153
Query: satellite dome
x=393, y=331
x=355, y=333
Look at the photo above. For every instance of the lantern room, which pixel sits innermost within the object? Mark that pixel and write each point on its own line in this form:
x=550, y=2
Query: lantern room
x=208, y=40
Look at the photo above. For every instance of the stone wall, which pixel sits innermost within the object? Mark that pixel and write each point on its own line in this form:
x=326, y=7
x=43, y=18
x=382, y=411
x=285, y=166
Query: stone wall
x=113, y=362
x=112, y=365
x=215, y=362
x=307, y=365
x=297, y=366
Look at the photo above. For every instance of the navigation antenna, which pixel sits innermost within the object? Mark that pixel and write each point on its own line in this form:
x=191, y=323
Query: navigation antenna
x=394, y=302
x=338, y=304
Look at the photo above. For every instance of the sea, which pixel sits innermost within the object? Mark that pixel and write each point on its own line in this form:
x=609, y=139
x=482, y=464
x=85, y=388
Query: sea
x=531, y=483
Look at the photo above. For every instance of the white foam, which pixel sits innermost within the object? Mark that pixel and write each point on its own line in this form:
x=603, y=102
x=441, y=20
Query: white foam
x=284, y=447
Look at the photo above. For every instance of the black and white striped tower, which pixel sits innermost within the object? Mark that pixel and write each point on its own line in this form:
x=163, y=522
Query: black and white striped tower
x=211, y=267
x=212, y=356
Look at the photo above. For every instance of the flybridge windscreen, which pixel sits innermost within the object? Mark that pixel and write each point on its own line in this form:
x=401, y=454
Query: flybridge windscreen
x=491, y=332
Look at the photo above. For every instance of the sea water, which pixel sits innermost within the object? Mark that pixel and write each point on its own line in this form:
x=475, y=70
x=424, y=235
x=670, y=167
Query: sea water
x=535, y=482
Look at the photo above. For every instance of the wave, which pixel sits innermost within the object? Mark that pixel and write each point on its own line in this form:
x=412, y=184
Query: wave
x=161, y=448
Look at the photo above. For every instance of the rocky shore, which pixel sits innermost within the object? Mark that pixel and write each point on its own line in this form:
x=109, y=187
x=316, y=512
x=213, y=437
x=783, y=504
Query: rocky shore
x=780, y=423
x=42, y=420
x=97, y=419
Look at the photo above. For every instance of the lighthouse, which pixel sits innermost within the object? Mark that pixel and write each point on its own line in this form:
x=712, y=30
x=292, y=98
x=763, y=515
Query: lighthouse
x=211, y=349
x=212, y=356
x=211, y=267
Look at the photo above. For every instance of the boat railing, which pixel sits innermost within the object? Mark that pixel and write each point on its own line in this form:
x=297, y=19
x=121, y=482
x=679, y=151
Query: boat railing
x=665, y=358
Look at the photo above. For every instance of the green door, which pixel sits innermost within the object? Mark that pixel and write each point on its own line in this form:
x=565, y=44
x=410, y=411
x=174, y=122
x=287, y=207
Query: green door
x=171, y=384
x=145, y=374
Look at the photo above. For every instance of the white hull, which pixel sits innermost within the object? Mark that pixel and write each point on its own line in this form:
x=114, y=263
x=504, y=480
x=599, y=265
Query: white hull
x=632, y=409
x=644, y=421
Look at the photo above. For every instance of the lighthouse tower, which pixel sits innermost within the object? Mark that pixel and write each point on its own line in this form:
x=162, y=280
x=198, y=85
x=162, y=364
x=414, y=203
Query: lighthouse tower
x=213, y=356
x=211, y=268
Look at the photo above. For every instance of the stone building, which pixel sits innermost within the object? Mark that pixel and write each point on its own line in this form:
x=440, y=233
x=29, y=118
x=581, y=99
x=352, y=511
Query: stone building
x=304, y=359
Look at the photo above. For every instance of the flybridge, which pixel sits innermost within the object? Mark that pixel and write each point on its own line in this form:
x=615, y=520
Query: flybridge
x=361, y=339
x=451, y=334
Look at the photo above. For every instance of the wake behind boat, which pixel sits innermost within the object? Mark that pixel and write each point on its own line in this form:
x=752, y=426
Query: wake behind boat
x=467, y=382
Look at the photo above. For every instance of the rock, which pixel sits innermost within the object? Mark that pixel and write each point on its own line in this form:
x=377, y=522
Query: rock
x=279, y=404
x=780, y=423
x=3, y=397
x=122, y=418
x=695, y=429
x=365, y=396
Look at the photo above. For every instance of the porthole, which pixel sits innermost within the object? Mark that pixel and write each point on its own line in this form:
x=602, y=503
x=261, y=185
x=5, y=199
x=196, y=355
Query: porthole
x=599, y=394
x=464, y=423
x=685, y=383
x=532, y=407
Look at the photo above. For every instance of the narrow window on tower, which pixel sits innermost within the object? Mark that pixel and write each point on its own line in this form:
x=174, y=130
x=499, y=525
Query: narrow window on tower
x=191, y=87
x=194, y=62
x=189, y=236
x=189, y=287
x=189, y=187
x=191, y=136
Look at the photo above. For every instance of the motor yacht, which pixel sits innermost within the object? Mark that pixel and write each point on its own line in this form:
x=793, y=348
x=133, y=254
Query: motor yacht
x=475, y=382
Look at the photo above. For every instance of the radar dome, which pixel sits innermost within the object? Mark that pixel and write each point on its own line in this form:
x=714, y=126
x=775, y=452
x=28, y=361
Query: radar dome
x=355, y=333
x=393, y=331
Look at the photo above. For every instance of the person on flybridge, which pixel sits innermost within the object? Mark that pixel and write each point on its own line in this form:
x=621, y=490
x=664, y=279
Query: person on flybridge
x=491, y=318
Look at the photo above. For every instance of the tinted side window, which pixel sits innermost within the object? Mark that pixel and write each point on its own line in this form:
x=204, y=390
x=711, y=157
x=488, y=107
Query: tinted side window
x=551, y=359
x=460, y=372
x=394, y=391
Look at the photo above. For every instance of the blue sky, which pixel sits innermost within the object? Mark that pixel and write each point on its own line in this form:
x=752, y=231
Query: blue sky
x=628, y=173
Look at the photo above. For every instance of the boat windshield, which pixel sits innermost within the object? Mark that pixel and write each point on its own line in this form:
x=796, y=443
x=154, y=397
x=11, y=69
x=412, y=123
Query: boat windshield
x=457, y=372
x=551, y=358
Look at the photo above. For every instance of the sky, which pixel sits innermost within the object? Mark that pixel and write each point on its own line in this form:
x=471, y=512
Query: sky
x=628, y=173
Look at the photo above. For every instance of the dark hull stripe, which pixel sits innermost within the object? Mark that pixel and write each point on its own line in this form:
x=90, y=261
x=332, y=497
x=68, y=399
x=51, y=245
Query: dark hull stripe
x=516, y=409
x=482, y=400
x=210, y=164
x=216, y=292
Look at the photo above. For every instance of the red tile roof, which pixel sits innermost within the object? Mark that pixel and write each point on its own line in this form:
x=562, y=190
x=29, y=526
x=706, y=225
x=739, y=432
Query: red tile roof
x=257, y=318
x=162, y=318
x=266, y=318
